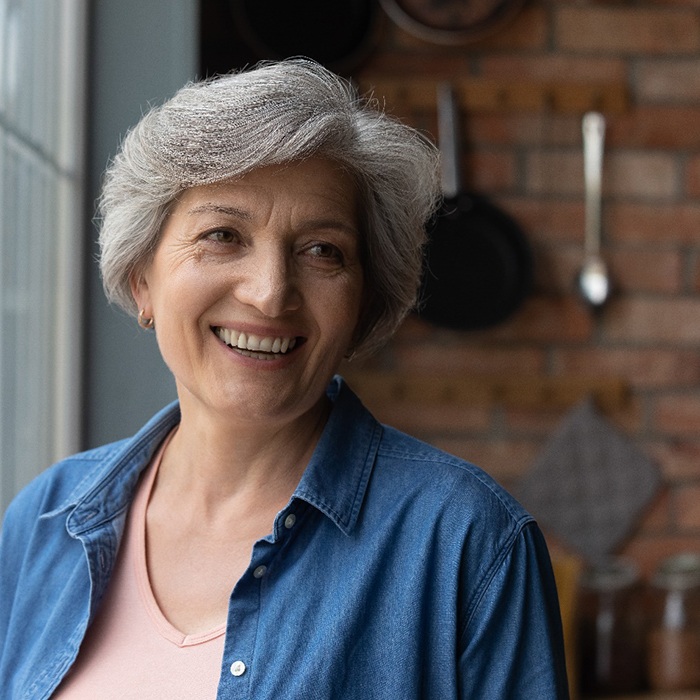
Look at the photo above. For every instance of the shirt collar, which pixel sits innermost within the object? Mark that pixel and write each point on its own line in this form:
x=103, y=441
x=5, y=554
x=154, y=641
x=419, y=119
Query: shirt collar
x=109, y=490
x=334, y=482
x=336, y=478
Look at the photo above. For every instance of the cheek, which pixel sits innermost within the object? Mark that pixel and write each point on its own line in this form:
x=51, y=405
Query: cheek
x=187, y=288
x=344, y=309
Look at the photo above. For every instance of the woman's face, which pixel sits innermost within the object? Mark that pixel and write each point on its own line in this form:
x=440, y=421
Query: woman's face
x=256, y=287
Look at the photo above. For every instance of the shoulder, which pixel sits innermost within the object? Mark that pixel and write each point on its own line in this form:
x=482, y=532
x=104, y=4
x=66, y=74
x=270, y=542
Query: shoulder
x=410, y=475
x=446, y=478
x=63, y=482
x=453, y=509
x=72, y=479
x=451, y=504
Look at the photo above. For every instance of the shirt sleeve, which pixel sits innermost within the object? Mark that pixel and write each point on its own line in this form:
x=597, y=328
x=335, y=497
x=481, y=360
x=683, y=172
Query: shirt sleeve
x=15, y=533
x=512, y=645
x=13, y=542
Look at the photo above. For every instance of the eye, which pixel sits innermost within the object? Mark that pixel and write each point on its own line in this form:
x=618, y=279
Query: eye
x=325, y=251
x=221, y=236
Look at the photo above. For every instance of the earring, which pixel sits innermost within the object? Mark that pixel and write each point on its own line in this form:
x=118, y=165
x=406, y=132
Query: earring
x=144, y=322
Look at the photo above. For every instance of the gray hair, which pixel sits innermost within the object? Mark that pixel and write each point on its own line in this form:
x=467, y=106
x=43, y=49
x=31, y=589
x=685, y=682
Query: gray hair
x=276, y=113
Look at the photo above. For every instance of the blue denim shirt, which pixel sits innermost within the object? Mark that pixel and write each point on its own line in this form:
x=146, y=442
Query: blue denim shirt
x=395, y=572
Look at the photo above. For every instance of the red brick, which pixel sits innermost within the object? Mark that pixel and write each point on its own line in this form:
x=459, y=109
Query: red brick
x=695, y=271
x=540, y=422
x=523, y=129
x=528, y=30
x=687, y=506
x=645, y=270
x=630, y=418
x=438, y=62
x=556, y=268
x=466, y=357
x=679, y=459
x=655, y=127
x=669, y=81
x=652, y=175
x=505, y=461
x=640, y=367
x=693, y=175
x=625, y=174
x=679, y=3
x=548, y=220
x=626, y=30
x=547, y=319
x=429, y=420
x=658, y=223
x=656, y=518
x=647, y=320
x=678, y=415
x=490, y=171
x=554, y=172
x=415, y=329
x=557, y=68
x=631, y=270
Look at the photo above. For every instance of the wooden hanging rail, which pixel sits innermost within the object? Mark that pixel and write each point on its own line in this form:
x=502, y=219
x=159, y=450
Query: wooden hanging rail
x=512, y=390
x=491, y=94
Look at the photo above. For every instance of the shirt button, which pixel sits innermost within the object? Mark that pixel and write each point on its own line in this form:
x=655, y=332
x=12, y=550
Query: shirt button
x=237, y=668
x=259, y=571
x=289, y=521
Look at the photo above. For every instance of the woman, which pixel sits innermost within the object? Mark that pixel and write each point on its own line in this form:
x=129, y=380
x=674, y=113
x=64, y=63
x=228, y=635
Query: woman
x=264, y=536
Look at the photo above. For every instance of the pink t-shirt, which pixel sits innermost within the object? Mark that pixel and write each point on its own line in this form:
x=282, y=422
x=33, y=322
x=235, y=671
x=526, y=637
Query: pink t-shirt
x=131, y=650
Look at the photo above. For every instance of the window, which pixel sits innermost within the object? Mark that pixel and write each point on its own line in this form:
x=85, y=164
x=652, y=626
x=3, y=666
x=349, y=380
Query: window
x=42, y=89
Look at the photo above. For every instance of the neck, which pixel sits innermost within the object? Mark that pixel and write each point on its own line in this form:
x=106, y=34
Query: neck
x=212, y=460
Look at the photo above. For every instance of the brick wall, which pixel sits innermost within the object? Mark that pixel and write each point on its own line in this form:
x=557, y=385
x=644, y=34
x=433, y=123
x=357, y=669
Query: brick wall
x=529, y=161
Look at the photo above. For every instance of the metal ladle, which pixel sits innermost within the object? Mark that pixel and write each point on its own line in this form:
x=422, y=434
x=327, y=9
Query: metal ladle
x=593, y=278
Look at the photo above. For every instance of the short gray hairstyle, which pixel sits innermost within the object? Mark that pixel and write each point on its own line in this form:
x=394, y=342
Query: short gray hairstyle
x=276, y=113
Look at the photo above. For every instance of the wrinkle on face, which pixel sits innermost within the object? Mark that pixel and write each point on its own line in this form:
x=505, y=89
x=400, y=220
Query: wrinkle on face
x=276, y=253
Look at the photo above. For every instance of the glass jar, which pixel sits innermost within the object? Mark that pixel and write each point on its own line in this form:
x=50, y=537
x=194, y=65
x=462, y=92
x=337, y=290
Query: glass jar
x=612, y=629
x=674, y=636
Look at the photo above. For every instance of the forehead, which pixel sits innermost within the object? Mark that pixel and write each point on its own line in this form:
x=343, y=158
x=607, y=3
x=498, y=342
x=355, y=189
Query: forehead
x=317, y=183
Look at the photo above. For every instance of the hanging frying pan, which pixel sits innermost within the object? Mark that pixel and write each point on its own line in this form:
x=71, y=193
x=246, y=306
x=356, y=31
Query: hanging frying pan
x=478, y=267
x=339, y=35
x=451, y=22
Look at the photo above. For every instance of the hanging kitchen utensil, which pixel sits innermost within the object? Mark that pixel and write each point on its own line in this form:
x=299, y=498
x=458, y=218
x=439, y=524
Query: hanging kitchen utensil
x=593, y=278
x=338, y=35
x=478, y=262
x=451, y=22
x=590, y=485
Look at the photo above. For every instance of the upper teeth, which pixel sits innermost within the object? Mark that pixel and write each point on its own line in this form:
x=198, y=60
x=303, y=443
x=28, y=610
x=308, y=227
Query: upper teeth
x=250, y=341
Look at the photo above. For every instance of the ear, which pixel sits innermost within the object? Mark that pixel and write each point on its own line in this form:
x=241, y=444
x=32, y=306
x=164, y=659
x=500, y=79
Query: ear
x=140, y=291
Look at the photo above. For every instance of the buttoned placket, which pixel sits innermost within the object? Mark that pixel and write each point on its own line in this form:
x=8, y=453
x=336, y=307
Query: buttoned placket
x=244, y=611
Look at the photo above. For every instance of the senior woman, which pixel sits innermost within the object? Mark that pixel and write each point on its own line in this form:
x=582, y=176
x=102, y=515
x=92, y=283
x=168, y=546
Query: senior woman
x=265, y=537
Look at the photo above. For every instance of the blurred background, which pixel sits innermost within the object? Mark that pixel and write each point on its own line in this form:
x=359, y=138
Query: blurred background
x=590, y=415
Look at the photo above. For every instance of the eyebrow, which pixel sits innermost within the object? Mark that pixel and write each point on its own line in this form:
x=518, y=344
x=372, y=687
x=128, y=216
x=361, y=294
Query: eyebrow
x=210, y=207
x=321, y=223
x=336, y=224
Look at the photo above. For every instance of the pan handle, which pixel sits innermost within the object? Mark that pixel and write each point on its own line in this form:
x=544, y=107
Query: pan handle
x=593, y=128
x=448, y=138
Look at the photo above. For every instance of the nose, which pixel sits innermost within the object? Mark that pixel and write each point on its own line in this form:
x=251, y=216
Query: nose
x=268, y=283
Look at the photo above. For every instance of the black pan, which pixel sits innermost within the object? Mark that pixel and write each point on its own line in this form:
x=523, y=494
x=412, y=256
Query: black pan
x=478, y=266
x=451, y=22
x=340, y=35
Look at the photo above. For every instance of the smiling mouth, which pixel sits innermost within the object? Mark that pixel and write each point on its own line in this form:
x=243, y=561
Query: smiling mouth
x=259, y=347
